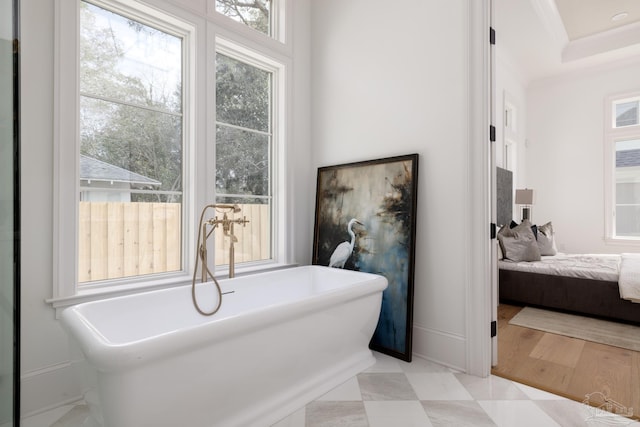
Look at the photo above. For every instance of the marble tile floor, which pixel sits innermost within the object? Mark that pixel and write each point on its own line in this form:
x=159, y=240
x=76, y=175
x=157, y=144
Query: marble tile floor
x=394, y=393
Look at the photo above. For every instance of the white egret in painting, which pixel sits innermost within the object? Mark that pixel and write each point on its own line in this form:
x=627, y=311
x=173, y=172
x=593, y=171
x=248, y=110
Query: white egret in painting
x=342, y=253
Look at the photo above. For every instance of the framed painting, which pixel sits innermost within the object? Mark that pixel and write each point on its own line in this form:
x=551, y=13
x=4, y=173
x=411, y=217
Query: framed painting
x=366, y=221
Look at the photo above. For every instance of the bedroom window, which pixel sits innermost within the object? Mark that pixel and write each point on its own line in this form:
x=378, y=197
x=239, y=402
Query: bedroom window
x=510, y=133
x=622, y=168
x=627, y=188
x=626, y=112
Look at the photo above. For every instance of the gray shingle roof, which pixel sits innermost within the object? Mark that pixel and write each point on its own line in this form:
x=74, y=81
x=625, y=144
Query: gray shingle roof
x=627, y=158
x=96, y=170
x=629, y=117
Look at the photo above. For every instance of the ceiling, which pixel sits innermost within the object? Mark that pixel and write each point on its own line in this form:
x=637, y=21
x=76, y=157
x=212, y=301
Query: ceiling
x=542, y=38
x=582, y=18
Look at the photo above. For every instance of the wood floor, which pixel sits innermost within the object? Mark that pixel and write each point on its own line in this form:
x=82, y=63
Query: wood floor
x=566, y=366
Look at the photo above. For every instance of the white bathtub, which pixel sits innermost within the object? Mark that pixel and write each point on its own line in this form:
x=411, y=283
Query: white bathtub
x=280, y=340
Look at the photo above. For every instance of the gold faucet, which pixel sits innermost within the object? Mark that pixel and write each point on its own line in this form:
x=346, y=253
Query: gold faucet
x=227, y=229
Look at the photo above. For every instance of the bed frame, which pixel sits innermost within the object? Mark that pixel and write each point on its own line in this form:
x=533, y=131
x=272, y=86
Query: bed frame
x=581, y=296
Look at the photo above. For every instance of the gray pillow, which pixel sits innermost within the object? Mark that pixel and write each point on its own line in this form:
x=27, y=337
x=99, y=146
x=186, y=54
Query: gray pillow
x=519, y=243
x=546, y=241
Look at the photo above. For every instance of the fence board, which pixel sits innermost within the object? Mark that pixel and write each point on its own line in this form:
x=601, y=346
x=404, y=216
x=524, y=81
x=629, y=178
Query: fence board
x=131, y=239
x=84, y=242
x=174, y=238
x=145, y=224
x=159, y=238
x=99, y=246
x=115, y=240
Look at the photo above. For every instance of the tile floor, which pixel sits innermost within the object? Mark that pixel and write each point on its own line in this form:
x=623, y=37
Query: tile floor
x=394, y=393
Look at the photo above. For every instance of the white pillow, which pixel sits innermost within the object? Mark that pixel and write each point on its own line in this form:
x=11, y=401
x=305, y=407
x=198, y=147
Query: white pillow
x=519, y=243
x=546, y=240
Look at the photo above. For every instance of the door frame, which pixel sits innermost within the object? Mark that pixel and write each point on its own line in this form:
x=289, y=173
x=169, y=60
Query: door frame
x=481, y=188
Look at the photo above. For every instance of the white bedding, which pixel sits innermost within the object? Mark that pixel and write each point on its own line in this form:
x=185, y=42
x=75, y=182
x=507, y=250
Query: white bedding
x=630, y=277
x=587, y=266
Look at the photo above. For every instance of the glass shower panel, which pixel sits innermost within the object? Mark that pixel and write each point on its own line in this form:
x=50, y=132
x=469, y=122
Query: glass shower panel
x=8, y=243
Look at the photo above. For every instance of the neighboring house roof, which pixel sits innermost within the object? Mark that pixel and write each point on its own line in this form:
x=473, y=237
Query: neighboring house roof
x=629, y=117
x=96, y=170
x=627, y=158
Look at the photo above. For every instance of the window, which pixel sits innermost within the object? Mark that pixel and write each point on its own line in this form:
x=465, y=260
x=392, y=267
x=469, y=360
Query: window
x=124, y=148
x=510, y=133
x=626, y=113
x=622, y=171
x=256, y=14
x=131, y=145
x=151, y=125
x=244, y=98
x=627, y=189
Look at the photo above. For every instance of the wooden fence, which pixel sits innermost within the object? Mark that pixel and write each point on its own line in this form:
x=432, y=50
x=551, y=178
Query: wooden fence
x=118, y=239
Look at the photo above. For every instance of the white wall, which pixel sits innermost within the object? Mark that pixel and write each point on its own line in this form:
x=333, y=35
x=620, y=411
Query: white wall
x=48, y=376
x=391, y=79
x=385, y=80
x=564, y=158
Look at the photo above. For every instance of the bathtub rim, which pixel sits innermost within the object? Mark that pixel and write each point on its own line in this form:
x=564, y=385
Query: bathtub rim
x=108, y=356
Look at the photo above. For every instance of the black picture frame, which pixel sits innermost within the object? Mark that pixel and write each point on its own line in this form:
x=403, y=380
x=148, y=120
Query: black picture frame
x=382, y=196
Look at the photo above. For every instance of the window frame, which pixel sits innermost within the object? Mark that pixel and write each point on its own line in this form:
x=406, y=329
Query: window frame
x=67, y=148
x=623, y=100
x=278, y=67
x=612, y=135
x=203, y=35
x=281, y=25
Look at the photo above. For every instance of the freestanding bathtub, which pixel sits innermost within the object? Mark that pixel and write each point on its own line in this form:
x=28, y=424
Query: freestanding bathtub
x=280, y=340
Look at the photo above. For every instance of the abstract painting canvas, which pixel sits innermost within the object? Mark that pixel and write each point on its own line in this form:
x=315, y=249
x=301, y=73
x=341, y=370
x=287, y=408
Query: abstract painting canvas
x=366, y=221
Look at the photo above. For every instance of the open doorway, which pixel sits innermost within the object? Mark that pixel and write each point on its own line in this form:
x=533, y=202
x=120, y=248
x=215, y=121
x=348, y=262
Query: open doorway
x=549, y=68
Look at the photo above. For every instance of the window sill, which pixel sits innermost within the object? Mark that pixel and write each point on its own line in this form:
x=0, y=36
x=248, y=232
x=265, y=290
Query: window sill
x=98, y=293
x=622, y=241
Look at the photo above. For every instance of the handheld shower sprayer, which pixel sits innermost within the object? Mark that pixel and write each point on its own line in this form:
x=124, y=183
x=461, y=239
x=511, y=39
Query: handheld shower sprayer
x=201, y=248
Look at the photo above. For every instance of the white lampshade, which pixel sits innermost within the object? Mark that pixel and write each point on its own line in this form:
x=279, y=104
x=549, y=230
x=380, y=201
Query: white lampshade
x=524, y=196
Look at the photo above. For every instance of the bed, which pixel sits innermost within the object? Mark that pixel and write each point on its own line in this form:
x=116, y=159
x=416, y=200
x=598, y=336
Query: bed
x=577, y=283
x=535, y=274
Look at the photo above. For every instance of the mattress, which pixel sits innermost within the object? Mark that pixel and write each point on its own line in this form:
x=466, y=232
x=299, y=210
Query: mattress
x=603, y=267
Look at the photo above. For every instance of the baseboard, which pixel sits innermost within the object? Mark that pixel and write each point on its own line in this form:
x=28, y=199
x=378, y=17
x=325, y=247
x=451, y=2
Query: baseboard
x=48, y=388
x=440, y=347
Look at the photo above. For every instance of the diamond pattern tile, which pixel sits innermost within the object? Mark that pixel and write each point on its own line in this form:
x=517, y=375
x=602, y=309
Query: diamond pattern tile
x=395, y=393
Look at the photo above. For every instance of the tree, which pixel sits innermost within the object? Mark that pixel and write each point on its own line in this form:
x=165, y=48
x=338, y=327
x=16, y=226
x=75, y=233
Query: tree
x=131, y=105
x=130, y=111
x=242, y=135
x=253, y=13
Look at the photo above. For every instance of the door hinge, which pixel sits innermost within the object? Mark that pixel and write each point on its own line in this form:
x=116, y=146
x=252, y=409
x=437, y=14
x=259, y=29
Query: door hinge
x=492, y=36
x=494, y=329
x=493, y=230
x=492, y=133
